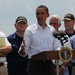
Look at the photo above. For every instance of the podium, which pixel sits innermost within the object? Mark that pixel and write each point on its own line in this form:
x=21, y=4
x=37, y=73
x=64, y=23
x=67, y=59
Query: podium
x=46, y=55
x=50, y=55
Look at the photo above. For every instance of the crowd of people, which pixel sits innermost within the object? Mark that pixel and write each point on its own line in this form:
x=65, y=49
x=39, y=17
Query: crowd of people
x=30, y=40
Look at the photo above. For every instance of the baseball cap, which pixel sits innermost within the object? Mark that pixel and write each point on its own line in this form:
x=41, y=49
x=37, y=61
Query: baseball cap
x=20, y=19
x=69, y=17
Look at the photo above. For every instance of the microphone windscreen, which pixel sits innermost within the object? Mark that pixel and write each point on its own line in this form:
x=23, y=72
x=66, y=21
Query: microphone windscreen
x=56, y=34
x=62, y=33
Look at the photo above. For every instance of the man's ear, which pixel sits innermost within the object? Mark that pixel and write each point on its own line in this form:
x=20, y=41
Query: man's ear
x=59, y=25
x=14, y=25
x=74, y=21
x=48, y=15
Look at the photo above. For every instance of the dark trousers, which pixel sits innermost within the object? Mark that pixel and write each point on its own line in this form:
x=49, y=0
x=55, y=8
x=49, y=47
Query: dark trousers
x=17, y=69
x=41, y=67
x=70, y=65
x=17, y=72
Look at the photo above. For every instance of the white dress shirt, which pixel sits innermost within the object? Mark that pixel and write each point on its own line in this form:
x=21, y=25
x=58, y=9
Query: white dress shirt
x=3, y=42
x=38, y=39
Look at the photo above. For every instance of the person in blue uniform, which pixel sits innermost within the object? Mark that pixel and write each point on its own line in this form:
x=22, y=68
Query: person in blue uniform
x=16, y=64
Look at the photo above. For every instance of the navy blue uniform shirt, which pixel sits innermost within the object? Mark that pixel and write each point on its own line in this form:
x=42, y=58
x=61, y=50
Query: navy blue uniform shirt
x=14, y=60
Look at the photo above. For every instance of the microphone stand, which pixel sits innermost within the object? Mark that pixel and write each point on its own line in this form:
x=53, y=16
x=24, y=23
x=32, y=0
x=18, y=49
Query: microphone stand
x=62, y=38
x=57, y=61
x=57, y=66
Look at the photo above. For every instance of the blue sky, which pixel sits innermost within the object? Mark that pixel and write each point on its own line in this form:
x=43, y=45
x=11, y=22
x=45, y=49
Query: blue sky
x=11, y=9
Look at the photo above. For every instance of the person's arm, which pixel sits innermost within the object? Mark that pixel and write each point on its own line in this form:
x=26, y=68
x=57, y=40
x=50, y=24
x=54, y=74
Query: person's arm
x=63, y=67
x=3, y=54
x=5, y=50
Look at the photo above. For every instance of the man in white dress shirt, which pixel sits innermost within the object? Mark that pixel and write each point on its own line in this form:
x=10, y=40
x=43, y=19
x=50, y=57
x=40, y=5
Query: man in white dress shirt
x=38, y=38
x=5, y=48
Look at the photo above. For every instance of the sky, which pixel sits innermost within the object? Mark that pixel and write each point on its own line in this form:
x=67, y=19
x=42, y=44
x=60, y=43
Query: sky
x=11, y=9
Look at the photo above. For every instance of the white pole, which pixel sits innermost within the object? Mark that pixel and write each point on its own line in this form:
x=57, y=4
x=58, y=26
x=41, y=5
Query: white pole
x=57, y=66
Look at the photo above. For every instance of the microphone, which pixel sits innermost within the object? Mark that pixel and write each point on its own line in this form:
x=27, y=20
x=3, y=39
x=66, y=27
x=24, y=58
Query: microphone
x=63, y=35
x=56, y=34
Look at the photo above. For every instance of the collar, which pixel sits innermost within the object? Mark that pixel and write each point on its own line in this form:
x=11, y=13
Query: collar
x=38, y=26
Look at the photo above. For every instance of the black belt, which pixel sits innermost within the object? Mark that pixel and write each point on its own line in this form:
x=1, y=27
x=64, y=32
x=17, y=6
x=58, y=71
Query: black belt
x=1, y=63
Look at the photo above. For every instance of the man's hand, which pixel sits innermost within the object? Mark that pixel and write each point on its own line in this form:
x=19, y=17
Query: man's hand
x=23, y=51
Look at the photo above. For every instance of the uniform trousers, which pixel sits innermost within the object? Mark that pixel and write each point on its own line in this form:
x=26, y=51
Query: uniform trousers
x=42, y=67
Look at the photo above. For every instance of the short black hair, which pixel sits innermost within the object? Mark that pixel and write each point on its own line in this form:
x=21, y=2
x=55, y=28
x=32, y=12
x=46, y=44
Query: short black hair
x=43, y=6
